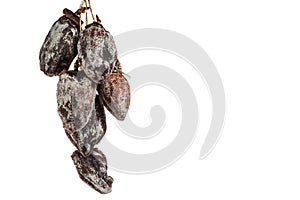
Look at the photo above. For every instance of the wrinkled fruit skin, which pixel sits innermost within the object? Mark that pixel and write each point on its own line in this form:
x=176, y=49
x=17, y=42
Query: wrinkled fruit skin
x=89, y=136
x=92, y=170
x=116, y=95
x=60, y=47
x=97, y=51
x=81, y=109
x=76, y=100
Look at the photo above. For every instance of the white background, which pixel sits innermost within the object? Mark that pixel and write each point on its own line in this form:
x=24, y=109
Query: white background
x=255, y=46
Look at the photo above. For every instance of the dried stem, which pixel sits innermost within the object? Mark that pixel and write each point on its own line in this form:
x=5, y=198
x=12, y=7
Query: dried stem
x=98, y=19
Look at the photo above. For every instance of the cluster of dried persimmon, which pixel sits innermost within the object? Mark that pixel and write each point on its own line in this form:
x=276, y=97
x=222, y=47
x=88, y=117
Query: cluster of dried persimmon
x=97, y=81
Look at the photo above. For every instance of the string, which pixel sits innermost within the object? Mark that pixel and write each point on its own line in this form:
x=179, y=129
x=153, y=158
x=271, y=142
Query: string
x=91, y=10
x=86, y=14
x=80, y=8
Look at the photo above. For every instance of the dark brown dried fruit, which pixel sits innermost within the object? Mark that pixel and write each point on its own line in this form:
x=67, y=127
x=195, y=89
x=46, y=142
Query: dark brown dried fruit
x=93, y=170
x=76, y=100
x=80, y=108
x=60, y=46
x=97, y=51
x=89, y=136
x=116, y=95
